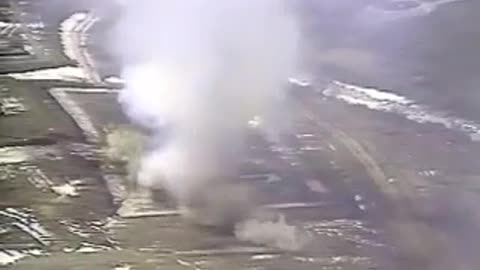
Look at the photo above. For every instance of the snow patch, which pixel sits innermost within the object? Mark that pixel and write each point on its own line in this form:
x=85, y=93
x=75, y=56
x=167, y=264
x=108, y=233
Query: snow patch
x=378, y=100
x=65, y=190
x=9, y=155
x=28, y=223
x=114, y=80
x=10, y=256
x=86, y=247
x=422, y=8
x=264, y=257
x=65, y=73
x=299, y=81
x=73, y=37
x=36, y=25
x=80, y=117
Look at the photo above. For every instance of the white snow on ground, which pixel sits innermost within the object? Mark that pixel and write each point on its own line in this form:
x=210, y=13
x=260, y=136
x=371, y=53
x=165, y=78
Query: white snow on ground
x=81, y=90
x=65, y=190
x=68, y=30
x=19, y=154
x=10, y=256
x=80, y=117
x=389, y=102
x=13, y=155
x=28, y=224
x=299, y=81
x=37, y=25
x=7, y=29
x=73, y=36
x=86, y=247
x=65, y=73
x=114, y=80
x=423, y=8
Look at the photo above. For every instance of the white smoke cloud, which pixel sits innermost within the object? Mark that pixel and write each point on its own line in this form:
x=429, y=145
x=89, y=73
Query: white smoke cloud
x=274, y=232
x=203, y=69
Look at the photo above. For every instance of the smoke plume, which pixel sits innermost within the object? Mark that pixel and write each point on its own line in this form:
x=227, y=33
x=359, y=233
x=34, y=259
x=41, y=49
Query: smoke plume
x=271, y=231
x=202, y=70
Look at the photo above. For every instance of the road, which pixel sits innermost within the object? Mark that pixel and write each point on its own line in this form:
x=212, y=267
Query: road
x=379, y=170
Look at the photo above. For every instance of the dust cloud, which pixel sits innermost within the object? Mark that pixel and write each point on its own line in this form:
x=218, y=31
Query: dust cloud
x=202, y=70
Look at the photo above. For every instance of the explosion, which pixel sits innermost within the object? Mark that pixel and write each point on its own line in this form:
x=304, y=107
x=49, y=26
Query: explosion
x=201, y=70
